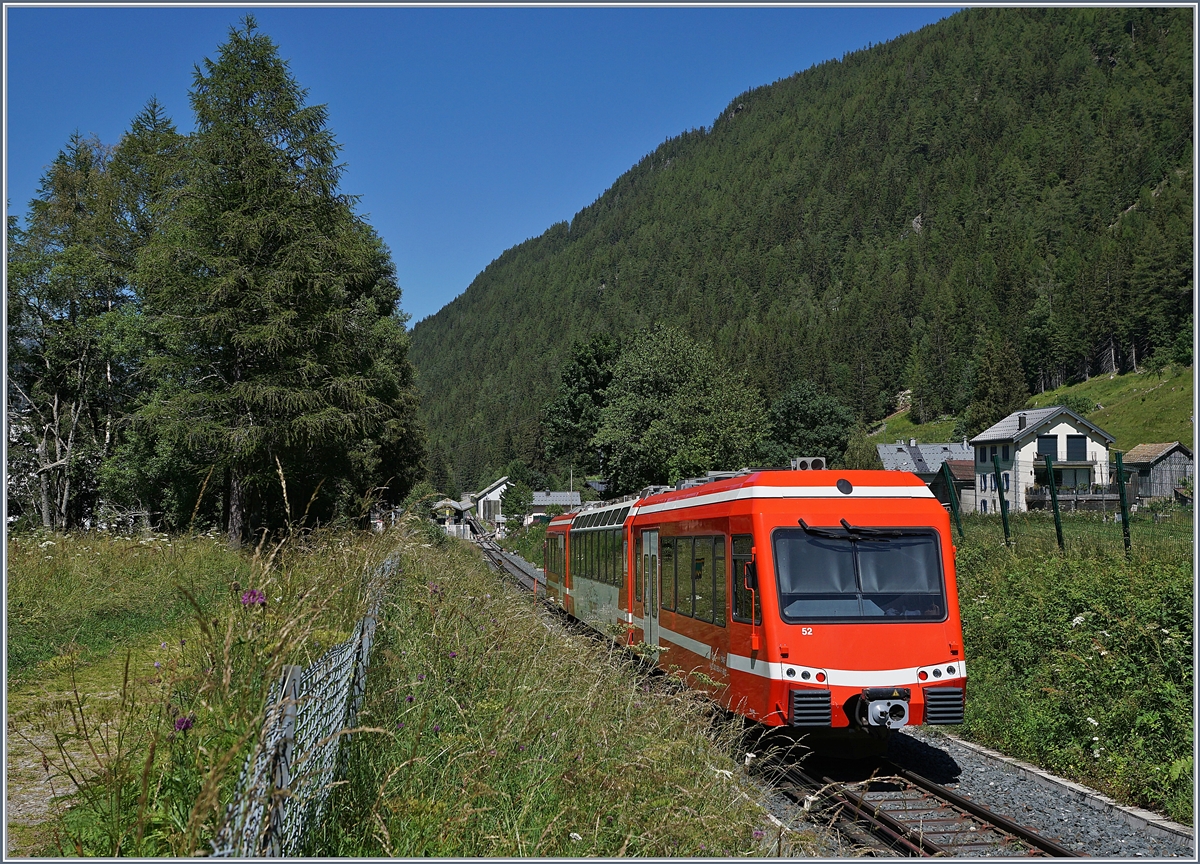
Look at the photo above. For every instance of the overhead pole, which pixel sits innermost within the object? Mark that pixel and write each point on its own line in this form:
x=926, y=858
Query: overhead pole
x=1124, y=503
x=1054, y=499
x=949, y=475
x=1003, y=501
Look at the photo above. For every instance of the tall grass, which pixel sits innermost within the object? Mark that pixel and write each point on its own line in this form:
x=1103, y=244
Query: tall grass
x=1082, y=662
x=510, y=737
x=154, y=764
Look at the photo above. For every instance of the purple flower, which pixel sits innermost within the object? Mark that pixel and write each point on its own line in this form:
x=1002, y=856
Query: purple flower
x=758, y=835
x=400, y=725
x=521, y=747
x=437, y=728
x=164, y=645
x=453, y=654
x=183, y=724
x=408, y=698
x=421, y=677
x=157, y=664
x=253, y=597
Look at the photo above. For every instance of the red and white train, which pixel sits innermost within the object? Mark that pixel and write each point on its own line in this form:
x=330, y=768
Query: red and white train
x=813, y=599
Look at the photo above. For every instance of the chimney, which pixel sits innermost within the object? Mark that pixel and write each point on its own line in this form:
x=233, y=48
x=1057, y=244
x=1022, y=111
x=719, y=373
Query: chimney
x=1020, y=421
x=912, y=442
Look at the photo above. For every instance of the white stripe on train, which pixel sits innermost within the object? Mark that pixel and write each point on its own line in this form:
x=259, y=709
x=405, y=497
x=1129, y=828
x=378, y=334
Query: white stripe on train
x=747, y=492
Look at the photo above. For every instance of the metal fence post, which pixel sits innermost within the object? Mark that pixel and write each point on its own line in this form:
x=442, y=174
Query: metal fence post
x=949, y=475
x=1054, y=499
x=1003, y=501
x=1124, y=503
x=282, y=761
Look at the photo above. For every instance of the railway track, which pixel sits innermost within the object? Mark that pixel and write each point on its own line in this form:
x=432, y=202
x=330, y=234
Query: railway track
x=895, y=811
x=899, y=812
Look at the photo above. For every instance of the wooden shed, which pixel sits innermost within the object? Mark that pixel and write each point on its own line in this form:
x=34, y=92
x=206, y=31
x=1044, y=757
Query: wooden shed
x=1159, y=468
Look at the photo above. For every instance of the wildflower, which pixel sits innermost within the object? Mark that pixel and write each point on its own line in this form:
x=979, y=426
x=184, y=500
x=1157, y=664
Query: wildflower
x=521, y=747
x=157, y=665
x=437, y=728
x=164, y=645
x=758, y=835
x=1095, y=737
x=254, y=597
x=575, y=837
x=421, y=677
x=453, y=654
x=1093, y=721
x=400, y=725
x=182, y=642
x=408, y=698
x=1077, y=620
x=750, y=757
x=182, y=724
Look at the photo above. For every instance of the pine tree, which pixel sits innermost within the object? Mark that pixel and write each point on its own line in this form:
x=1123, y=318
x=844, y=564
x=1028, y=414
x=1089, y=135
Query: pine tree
x=279, y=346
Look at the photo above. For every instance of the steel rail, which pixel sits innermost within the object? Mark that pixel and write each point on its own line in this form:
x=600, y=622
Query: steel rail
x=1007, y=825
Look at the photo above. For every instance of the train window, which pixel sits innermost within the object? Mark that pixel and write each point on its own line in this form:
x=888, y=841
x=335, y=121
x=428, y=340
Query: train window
x=612, y=517
x=702, y=578
x=614, y=556
x=684, y=593
x=720, y=594
x=602, y=557
x=623, y=553
x=742, y=544
x=666, y=552
x=624, y=515
x=858, y=577
x=637, y=568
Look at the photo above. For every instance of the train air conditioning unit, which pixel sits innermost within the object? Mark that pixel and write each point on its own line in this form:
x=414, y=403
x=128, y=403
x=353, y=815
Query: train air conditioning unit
x=808, y=463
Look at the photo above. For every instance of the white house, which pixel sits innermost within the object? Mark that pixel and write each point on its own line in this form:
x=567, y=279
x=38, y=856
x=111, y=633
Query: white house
x=1022, y=440
x=487, y=502
x=544, y=500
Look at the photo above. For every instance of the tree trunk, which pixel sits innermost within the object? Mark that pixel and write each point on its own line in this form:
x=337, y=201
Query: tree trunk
x=237, y=510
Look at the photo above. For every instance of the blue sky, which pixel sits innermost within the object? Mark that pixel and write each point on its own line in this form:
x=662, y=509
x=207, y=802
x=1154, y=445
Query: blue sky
x=464, y=131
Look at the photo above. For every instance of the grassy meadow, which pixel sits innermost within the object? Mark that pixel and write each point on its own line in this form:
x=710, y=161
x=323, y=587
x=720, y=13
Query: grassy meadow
x=1081, y=661
x=139, y=667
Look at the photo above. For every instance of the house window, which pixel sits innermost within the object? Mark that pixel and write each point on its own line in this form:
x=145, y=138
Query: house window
x=1047, y=445
x=1005, y=481
x=1004, y=453
x=1076, y=448
x=982, y=455
x=993, y=454
x=983, y=506
x=982, y=482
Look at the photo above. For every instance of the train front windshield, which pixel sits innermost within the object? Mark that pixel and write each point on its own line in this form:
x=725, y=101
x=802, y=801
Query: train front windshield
x=824, y=577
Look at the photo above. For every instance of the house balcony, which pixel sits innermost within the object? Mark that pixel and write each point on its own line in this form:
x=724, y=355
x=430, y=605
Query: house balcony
x=1094, y=497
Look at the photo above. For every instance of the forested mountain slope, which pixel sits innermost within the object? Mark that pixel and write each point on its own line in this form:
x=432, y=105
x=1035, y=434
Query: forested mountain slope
x=1018, y=172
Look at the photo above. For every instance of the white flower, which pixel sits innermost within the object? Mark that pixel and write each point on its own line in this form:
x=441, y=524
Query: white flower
x=575, y=837
x=727, y=774
x=1077, y=620
x=1095, y=738
x=1096, y=754
x=809, y=801
x=750, y=756
x=1093, y=721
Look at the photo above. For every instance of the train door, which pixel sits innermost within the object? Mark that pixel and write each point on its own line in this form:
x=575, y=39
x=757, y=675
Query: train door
x=650, y=589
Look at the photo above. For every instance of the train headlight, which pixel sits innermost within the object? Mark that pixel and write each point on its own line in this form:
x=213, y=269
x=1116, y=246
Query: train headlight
x=791, y=673
x=937, y=673
x=950, y=669
x=805, y=674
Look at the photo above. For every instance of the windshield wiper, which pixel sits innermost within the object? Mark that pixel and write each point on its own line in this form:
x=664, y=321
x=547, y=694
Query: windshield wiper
x=871, y=532
x=823, y=532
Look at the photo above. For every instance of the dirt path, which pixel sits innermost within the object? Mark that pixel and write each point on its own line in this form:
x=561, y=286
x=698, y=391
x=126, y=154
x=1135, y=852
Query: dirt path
x=36, y=784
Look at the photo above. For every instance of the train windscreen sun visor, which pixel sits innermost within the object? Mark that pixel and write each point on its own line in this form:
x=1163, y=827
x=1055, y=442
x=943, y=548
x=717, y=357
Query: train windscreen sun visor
x=858, y=578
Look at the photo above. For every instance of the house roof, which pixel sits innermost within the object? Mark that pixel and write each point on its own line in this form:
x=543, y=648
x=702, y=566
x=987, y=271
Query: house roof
x=451, y=504
x=1009, y=429
x=1146, y=454
x=962, y=469
x=921, y=458
x=490, y=489
x=562, y=499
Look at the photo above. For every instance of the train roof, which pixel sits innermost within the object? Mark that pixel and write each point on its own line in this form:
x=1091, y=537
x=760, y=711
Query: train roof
x=765, y=483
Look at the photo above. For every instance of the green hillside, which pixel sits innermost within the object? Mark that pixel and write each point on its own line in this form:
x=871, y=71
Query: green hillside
x=1136, y=408
x=1022, y=174
x=1142, y=408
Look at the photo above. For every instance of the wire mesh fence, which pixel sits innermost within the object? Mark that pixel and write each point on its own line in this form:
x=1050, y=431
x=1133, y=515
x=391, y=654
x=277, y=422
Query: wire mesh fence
x=285, y=784
x=1087, y=534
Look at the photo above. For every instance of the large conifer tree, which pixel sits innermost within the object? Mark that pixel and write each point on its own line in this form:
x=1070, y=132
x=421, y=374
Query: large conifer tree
x=279, y=346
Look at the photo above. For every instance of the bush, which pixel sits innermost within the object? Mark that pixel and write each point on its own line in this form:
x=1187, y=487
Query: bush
x=1084, y=666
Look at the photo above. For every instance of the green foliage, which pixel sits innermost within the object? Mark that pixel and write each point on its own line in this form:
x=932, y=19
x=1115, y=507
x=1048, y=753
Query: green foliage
x=421, y=498
x=1078, y=403
x=999, y=385
x=573, y=416
x=807, y=423
x=200, y=326
x=860, y=454
x=673, y=411
x=997, y=168
x=1084, y=666
x=516, y=502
